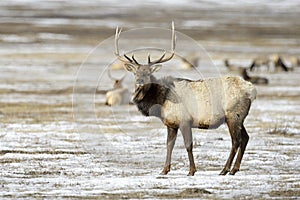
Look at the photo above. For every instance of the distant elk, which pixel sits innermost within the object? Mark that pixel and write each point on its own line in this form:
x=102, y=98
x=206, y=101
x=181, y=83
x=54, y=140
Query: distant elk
x=279, y=65
x=253, y=79
x=185, y=104
x=190, y=61
x=243, y=72
x=260, y=62
x=118, y=95
x=231, y=67
x=276, y=60
x=295, y=62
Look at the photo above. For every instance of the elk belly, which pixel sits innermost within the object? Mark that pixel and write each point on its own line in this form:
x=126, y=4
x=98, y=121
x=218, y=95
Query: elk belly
x=173, y=114
x=210, y=116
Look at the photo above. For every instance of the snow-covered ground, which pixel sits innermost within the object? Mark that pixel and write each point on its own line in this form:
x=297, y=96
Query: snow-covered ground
x=114, y=152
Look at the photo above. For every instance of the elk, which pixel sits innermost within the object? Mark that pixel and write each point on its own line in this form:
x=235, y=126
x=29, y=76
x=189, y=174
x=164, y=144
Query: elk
x=243, y=72
x=231, y=67
x=118, y=95
x=295, y=62
x=279, y=64
x=190, y=61
x=183, y=104
x=259, y=62
x=253, y=79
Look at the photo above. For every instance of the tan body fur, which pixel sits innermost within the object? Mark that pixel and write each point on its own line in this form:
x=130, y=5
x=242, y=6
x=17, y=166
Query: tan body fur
x=205, y=103
x=119, y=96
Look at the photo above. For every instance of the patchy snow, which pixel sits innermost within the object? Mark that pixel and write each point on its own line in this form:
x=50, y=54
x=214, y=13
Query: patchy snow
x=52, y=149
x=14, y=38
x=115, y=152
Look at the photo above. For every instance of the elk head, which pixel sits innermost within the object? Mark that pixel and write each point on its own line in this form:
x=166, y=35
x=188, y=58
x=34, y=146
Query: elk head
x=143, y=72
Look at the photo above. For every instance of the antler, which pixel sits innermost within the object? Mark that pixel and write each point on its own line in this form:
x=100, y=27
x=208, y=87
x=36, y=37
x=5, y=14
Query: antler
x=162, y=58
x=117, y=36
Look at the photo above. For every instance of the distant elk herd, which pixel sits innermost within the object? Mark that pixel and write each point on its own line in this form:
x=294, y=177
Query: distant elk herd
x=274, y=63
x=183, y=104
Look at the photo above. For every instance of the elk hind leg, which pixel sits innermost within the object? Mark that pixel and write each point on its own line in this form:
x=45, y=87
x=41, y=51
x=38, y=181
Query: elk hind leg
x=245, y=138
x=235, y=133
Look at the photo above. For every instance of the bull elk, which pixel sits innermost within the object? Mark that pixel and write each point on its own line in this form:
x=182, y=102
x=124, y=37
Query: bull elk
x=183, y=104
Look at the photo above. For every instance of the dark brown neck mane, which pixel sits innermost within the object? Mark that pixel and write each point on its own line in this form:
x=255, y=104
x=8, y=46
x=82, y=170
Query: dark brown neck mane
x=150, y=97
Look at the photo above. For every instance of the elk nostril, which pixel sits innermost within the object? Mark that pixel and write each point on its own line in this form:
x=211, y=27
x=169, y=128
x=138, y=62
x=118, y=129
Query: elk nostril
x=140, y=82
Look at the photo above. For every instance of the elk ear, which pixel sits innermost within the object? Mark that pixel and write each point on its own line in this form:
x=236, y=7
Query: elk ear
x=130, y=67
x=155, y=68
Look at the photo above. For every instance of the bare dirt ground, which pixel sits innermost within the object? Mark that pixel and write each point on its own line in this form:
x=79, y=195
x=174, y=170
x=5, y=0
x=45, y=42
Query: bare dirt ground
x=52, y=148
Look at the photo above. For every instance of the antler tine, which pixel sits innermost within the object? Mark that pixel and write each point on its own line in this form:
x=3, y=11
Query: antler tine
x=129, y=59
x=117, y=36
x=173, y=37
x=149, y=59
x=135, y=61
x=173, y=44
x=159, y=60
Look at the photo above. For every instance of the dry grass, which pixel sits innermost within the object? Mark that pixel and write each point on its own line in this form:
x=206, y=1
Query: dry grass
x=281, y=132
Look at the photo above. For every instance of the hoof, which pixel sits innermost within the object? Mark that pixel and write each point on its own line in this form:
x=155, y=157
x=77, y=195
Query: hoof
x=233, y=171
x=224, y=172
x=165, y=171
x=191, y=172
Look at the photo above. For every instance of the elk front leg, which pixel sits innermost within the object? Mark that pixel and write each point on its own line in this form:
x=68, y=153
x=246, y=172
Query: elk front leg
x=172, y=135
x=188, y=142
